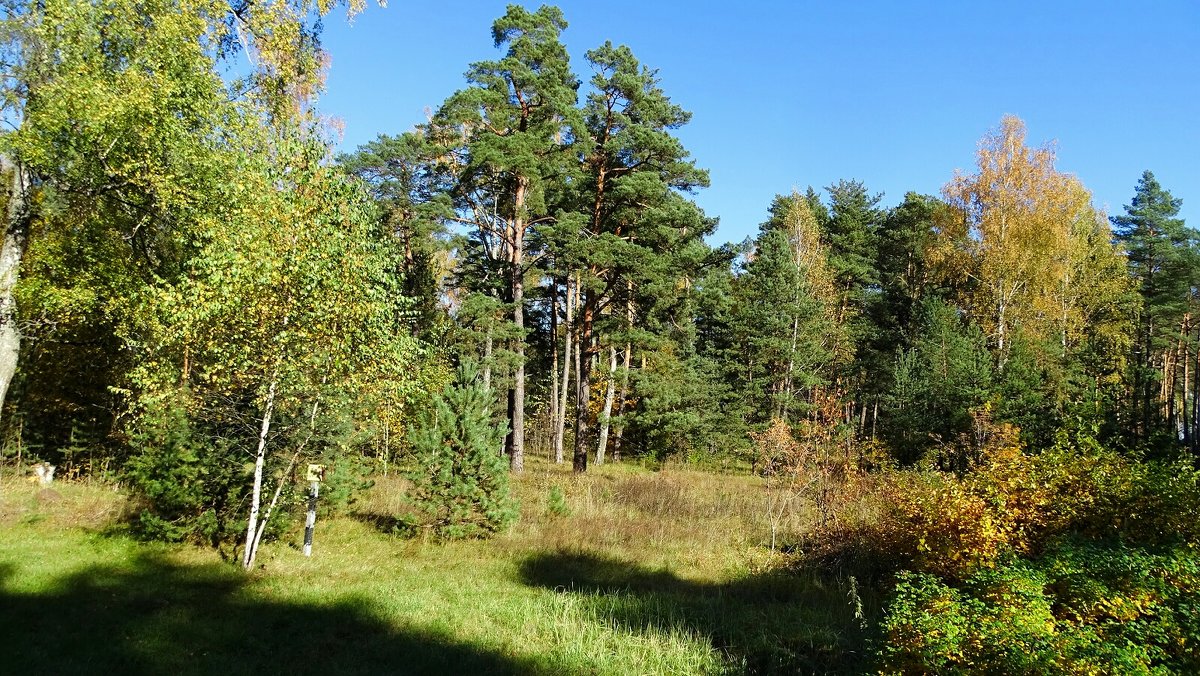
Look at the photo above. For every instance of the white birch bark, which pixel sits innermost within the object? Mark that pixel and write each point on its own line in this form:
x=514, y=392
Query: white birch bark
x=11, y=253
x=619, y=432
x=259, y=462
x=560, y=425
x=610, y=393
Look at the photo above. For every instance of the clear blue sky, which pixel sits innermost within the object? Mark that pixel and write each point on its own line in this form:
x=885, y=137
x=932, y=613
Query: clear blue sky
x=790, y=94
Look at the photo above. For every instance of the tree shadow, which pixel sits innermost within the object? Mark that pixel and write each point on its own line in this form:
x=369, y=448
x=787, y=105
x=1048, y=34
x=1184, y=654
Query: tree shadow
x=781, y=622
x=388, y=524
x=152, y=616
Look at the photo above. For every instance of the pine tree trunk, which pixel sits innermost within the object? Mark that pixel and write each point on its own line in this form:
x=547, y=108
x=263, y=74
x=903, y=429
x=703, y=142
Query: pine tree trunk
x=16, y=236
x=260, y=460
x=1186, y=357
x=1194, y=421
x=610, y=392
x=553, y=366
x=585, y=350
x=516, y=401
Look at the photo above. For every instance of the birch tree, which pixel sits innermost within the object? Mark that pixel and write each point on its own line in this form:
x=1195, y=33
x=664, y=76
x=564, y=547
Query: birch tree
x=287, y=308
x=1024, y=216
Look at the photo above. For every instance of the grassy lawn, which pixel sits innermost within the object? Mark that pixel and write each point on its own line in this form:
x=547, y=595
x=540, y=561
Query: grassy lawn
x=651, y=573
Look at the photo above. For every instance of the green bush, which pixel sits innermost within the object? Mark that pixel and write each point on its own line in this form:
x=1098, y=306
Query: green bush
x=187, y=487
x=459, y=480
x=1073, y=560
x=1082, y=608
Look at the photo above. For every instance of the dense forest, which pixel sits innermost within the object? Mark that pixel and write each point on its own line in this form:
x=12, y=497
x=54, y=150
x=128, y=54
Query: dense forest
x=986, y=399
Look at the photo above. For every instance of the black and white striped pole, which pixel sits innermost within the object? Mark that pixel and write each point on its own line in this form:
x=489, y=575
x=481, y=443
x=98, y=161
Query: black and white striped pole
x=315, y=473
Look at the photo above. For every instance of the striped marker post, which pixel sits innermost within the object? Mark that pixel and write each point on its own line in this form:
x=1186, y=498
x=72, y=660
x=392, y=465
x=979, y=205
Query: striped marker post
x=311, y=521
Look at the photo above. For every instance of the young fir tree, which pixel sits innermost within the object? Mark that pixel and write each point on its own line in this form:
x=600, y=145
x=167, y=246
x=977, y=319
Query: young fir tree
x=459, y=483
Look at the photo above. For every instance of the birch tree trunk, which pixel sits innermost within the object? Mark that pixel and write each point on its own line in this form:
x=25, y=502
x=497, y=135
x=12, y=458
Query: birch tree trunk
x=560, y=425
x=620, y=428
x=610, y=392
x=11, y=252
x=259, y=463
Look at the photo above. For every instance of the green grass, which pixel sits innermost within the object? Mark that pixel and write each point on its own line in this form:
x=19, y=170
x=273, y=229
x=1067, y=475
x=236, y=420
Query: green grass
x=651, y=573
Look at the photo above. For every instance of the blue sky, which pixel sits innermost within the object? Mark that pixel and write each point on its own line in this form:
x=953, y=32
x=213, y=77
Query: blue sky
x=786, y=95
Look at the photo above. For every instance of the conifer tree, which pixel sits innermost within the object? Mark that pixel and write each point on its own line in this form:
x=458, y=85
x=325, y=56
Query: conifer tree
x=503, y=139
x=634, y=220
x=937, y=382
x=786, y=321
x=459, y=483
x=1163, y=265
x=414, y=206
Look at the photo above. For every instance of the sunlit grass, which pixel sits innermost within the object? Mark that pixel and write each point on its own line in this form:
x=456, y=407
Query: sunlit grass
x=650, y=573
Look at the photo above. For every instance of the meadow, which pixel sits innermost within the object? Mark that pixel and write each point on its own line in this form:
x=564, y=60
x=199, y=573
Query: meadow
x=624, y=570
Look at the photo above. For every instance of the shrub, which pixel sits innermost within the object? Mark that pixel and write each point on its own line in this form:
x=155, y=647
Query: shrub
x=954, y=525
x=1163, y=507
x=1083, y=608
x=1074, y=560
x=934, y=628
x=459, y=480
x=1012, y=502
x=187, y=487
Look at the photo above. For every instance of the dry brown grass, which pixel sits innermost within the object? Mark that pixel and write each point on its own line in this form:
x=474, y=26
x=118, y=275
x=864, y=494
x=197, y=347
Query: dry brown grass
x=65, y=504
x=693, y=521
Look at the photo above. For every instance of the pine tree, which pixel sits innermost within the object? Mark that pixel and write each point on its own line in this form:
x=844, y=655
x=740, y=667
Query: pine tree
x=459, y=483
x=633, y=217
x=503, y=142
x=400, y=175
x=1163, y=264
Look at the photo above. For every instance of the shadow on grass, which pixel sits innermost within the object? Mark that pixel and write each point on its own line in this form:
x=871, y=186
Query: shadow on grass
x=771, y=623
x=151, y=616
x=387, y=524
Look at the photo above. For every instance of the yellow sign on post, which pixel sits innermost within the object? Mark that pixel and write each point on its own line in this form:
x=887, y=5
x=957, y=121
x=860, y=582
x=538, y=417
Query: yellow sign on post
x=316, y=472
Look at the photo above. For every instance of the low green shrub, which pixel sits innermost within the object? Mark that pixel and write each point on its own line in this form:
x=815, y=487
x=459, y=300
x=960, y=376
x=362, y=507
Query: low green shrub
x=1084, y=607
x=556, y=503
